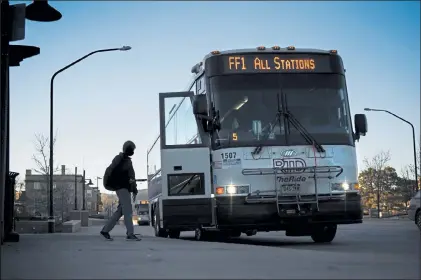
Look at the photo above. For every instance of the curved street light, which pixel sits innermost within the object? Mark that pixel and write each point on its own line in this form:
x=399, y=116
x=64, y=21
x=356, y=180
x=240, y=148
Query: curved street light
x=413, y=140
x=51, y=209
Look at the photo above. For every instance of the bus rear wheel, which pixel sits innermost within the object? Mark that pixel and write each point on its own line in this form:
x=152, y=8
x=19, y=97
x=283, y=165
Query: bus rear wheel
x=199, y=234
x=159, y=232
x=324, y=233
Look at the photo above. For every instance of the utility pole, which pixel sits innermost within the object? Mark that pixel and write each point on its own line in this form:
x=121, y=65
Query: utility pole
x=75, y=208
x=83, y=191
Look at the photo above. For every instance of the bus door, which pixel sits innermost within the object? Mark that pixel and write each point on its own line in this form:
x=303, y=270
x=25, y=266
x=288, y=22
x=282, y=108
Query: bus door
x=185, y=165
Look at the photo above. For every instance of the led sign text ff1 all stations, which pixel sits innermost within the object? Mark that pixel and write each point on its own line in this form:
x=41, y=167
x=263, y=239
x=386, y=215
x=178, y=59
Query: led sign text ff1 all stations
x=276, y=63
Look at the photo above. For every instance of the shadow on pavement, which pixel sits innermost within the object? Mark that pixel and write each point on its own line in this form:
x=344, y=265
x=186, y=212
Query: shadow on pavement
x=365, y=238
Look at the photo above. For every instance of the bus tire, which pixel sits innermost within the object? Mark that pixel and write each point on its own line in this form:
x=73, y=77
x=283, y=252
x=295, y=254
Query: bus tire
x=159, y=232
x=200, y=234
x=324, y=233
x=175, y=234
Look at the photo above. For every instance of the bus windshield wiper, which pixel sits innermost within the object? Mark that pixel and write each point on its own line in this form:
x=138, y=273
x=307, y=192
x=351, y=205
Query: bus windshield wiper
x=297, y=125
x=301, y=129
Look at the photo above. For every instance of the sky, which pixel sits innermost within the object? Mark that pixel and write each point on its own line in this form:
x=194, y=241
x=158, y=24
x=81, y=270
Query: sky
x=113, y=97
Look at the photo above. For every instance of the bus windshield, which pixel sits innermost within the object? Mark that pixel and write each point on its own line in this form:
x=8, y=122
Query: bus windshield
x=142, y=209
x=248, y=106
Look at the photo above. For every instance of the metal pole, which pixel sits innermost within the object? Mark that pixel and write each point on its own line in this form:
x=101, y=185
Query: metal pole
x=414, y=142
x=75, y=189
x=97, y=195
x=415, y=157
x=50, y=183
x=4, y=66
x=83, y=191
x=51, y=214
x=414, y=146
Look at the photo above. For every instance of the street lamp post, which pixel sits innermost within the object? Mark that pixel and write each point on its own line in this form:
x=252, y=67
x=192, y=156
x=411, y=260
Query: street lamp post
x=98, y=178
x=98, y=197
x=414, y=142
x=84, y=189
x=51, y=211
x=75, y=208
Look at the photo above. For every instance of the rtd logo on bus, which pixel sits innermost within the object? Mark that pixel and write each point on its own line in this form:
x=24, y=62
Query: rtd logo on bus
x=296, y=165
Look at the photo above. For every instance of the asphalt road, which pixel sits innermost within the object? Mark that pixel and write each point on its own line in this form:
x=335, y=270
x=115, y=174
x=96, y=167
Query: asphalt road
x=373, y=250
x=383, y=237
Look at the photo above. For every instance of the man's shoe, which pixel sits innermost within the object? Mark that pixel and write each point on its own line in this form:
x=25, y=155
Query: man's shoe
x=106, y=235
x=132, y=237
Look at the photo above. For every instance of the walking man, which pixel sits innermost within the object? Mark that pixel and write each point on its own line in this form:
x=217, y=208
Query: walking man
x=120, y=177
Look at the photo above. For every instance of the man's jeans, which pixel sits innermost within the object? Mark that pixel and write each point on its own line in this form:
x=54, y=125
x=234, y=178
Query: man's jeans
x=124, y=208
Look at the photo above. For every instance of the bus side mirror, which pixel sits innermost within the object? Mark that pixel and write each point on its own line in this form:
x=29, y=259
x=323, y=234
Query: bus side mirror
x=360, y=121
x=200, y=105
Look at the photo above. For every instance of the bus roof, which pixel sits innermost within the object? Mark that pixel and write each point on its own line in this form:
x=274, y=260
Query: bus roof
x=269, y=50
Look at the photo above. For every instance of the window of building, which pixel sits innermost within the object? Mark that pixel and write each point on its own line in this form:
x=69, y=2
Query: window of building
x=37, y=185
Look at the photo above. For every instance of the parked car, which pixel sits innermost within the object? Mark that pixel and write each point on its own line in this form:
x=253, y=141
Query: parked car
x=414, y=210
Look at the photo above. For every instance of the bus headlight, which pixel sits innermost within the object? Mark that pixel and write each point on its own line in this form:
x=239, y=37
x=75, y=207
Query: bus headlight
x=344, y=186
x=231, y=190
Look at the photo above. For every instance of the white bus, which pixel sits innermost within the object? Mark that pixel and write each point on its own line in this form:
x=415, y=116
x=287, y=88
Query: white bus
x=262, y=140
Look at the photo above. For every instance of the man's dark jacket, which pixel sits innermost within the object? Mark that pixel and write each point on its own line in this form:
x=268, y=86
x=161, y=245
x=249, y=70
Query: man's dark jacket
x=122, y=171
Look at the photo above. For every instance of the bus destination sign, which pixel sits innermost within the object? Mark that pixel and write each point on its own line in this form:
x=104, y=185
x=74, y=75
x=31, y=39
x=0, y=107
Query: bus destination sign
x=277, y=63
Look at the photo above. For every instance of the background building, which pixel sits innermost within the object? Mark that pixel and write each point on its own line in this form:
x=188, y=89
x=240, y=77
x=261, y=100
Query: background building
x=36, y=194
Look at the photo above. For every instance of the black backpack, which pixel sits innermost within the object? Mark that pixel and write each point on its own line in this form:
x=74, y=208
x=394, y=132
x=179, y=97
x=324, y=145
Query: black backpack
x=112, y=177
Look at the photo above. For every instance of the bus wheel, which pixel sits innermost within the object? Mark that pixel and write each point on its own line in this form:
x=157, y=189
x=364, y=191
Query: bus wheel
x=200, y=234
x=159, y=232
x=174, y=234
x=324, y=233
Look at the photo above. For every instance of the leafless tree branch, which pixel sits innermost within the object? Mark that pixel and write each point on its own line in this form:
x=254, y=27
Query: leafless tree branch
x=41, y=158
x=379, y=161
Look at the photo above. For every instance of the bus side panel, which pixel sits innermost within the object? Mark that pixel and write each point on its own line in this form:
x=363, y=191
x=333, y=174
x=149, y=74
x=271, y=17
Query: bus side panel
x=154, y=186
x=187, y=213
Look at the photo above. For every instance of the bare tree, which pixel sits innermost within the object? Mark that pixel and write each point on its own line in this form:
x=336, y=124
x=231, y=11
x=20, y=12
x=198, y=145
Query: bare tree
x=406, y=184
x=62, y=200
x=108, y=200
x=378, y=164
x=42, y=161
x=41, y=158
x=19, y=188
x=411, y=167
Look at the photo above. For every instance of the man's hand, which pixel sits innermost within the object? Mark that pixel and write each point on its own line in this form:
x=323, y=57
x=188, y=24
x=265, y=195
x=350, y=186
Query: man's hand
x=132, y=183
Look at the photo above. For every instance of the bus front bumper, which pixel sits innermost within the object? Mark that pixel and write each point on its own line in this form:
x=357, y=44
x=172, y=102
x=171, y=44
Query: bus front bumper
x=236, y=212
